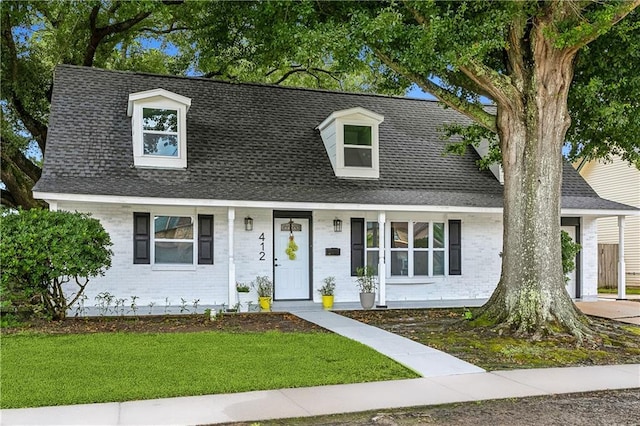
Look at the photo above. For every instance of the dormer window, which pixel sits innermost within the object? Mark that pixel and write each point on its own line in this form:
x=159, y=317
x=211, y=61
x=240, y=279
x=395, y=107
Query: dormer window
x=160, y=132
x=351, y=140
x=357, y=146
x=158, y=123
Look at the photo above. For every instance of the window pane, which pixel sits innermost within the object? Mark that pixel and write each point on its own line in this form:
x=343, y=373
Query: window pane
x=421, y=235
x=399, y=263
x=438, y=235
x=357, y=135
x=166, y=145
x=357, y=157
x=438, y=263
x=373, y=237
x=167, y=252
x=399, y=235
x=160, y=120
x=173, y=227
x=372, y=260
x=420, y=263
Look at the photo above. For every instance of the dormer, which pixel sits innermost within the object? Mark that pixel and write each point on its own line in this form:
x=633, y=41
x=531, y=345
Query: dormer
x=159, y=128
x=351, y=139
x=483, y=149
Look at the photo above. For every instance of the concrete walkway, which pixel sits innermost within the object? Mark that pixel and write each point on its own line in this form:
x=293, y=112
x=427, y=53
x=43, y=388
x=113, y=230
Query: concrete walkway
x=313, y=401
x=426, y=361
x=620, y=310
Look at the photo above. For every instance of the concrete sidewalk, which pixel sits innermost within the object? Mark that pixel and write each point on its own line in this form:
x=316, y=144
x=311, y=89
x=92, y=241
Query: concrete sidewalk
x=302, y=402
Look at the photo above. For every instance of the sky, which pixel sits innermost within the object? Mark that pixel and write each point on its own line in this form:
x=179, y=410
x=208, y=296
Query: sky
x=417, y=93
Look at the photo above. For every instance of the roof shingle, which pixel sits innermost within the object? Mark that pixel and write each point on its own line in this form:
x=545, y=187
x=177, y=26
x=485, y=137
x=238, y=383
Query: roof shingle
x=259, y=143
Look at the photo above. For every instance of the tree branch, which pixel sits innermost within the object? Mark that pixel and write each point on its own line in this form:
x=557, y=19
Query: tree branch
x=79, y=293
x=496, y=84
x=98, y=34
x=473, y=111
x=16, y=157
x=7, y=199
x=420, y=19
x=37, y=129
x=290, y=73
x=167, y=31
x=18, y=185
x=623, y=9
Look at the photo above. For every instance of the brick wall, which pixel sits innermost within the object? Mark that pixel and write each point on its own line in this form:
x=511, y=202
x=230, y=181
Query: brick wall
x=481, y=245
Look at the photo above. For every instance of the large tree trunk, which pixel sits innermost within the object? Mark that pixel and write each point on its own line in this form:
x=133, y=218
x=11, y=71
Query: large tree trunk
x=531, y=297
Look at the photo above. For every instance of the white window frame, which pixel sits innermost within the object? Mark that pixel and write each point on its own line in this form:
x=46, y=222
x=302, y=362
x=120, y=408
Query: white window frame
x=158, y=99
x=410, y=249
x=356, y=171
x=368, y=249
x=353, y=117
x=193, y=240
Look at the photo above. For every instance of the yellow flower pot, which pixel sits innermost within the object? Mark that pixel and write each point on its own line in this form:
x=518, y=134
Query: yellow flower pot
x=327, y=302
x=265, y=303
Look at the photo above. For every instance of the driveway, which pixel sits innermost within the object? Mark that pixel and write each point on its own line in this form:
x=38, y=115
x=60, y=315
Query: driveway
x=620, y=310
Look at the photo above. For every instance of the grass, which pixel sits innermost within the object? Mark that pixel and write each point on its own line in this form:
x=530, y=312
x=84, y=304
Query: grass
x=629, y=290
x=41, y=370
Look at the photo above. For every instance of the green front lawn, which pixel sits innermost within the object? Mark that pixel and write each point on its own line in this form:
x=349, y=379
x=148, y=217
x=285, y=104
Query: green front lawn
x=629, y=290
x=40, y=370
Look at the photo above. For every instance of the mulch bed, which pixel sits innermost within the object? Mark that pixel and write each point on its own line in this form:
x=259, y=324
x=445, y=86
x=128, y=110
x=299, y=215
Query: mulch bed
x=445, y=329
x=232, y=322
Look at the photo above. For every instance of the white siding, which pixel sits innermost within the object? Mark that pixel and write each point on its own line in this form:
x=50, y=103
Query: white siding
x=481, y=245
x=329, y=139
x=589, y=258
x=617, y=181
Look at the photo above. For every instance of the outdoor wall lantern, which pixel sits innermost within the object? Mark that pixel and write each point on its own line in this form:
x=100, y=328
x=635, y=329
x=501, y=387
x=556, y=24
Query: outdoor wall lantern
x=337, y=225
x=248, y=224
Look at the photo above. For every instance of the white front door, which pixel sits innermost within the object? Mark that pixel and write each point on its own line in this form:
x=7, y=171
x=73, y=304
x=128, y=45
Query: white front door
x=291, y=276
x=571, y=283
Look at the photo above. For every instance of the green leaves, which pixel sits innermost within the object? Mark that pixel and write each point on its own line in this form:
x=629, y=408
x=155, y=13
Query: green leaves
x=604, y=99
x=41, y=250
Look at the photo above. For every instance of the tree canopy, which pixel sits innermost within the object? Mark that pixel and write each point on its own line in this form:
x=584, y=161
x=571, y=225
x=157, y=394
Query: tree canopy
x=239, y=41
x=380, y=47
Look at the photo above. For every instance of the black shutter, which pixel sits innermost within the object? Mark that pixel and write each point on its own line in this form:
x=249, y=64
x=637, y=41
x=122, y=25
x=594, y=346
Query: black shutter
x=141, y=238
x=357, y=244
x=205, y=239
x=455, y=247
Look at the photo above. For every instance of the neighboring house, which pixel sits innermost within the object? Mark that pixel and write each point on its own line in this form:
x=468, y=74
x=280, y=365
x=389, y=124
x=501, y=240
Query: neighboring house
x=618, y=181
x=203, y=183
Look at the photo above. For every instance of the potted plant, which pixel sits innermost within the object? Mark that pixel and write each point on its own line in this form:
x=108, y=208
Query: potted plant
x=264, y=288
x=244, y=297
x=327, y=291
x=366, y=282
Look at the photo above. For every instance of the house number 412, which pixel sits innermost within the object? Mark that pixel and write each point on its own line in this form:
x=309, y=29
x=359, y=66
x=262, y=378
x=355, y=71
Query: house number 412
x=261, y=254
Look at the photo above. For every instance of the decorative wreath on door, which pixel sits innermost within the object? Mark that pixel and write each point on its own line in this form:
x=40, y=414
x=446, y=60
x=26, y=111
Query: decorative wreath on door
x=292, y=247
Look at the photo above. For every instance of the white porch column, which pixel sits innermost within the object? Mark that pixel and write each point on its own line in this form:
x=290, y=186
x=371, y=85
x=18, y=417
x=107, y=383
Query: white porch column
x=53, y=206
x=231, y=215
x=382, y=271
x=622, y=280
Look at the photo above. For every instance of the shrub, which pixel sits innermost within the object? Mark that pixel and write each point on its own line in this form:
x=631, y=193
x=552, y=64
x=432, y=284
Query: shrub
x=569, y=251
x=42, y=250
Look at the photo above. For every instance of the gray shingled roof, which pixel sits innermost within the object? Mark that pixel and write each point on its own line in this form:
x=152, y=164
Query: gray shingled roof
x=260, y=143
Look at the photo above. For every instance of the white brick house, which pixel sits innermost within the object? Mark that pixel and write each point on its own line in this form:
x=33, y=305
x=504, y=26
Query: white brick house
x=202, y=183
